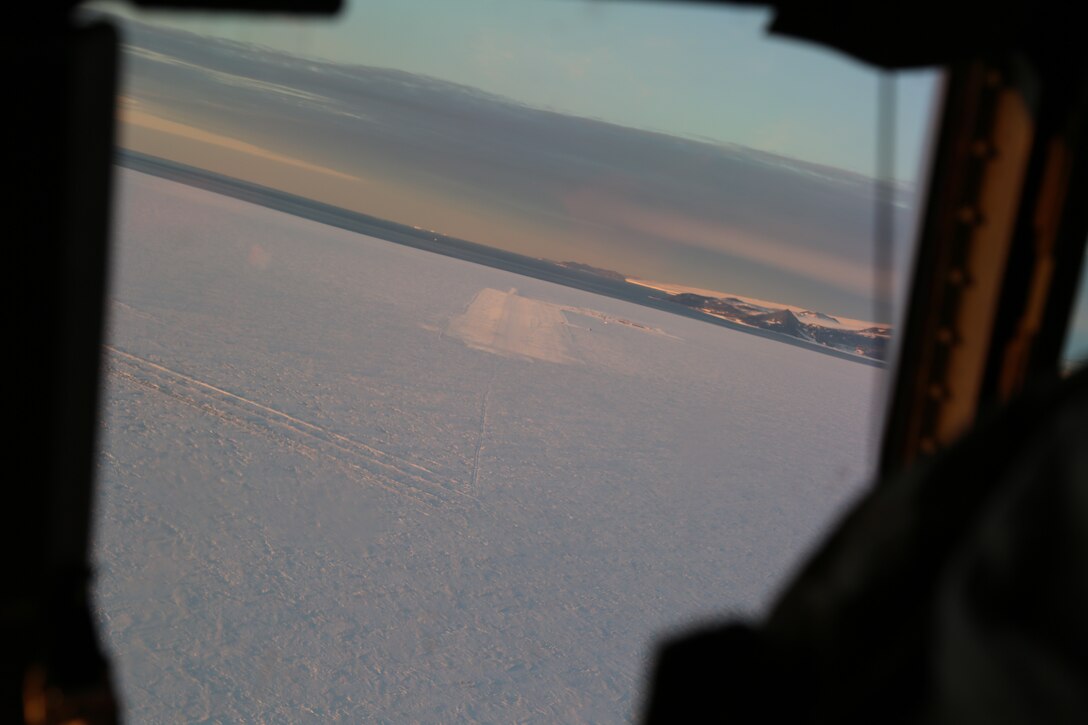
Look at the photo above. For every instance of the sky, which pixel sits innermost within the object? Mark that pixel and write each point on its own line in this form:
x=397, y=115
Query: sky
x=684, y=69
x=616, y=134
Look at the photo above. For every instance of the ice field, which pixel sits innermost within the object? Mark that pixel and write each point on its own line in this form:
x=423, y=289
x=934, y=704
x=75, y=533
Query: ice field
x=345, y=480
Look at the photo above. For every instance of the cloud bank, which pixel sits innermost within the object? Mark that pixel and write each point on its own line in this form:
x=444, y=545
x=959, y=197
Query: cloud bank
x=445, y=156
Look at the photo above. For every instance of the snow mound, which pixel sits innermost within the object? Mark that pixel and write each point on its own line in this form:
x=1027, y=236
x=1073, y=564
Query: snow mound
x=505, y=323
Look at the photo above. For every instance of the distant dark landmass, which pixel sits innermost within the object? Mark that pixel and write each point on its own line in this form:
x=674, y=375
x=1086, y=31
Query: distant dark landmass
x=864, y=346
x=590, y=269
x=817, y=327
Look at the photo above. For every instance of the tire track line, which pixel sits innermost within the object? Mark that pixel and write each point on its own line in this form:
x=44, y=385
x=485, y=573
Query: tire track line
x=270, y=431
x=474, y=482
x=239, y=410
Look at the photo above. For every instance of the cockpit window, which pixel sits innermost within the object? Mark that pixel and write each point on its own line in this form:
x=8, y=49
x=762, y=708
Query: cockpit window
x=1075, y=353
x=459, y=351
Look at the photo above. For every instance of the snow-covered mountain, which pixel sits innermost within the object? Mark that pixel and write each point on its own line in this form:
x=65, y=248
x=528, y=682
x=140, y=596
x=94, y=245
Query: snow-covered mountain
x=853, y=336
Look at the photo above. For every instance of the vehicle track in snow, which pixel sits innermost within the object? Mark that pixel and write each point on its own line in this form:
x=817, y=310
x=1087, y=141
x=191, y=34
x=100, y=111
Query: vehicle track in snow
x=474, y=482
x=368, y=464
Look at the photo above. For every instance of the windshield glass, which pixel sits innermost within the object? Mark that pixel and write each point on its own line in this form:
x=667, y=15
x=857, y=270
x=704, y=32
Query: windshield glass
x=1075, y=353
x=460, y=351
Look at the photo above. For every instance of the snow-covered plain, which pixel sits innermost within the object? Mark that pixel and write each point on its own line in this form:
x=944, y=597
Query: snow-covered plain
x=345, y=480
